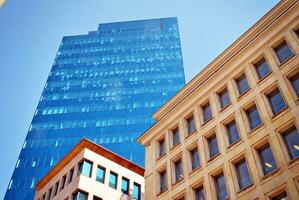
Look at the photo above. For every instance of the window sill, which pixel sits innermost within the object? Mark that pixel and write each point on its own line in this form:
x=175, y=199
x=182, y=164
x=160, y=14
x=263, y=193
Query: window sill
x=191, y=173
x=162, y=192
x=245, y=190
x=206, y=122
x=175, y=147
x=281, y=112
x=237, y=142
x=244, y=94
x=286, y=61
x=256, y=129
x=161, y=157
x=293, y=162
x=263, y=79
x=225, y=107
x=175, y=184
x=214, y=157
x=190, y=134
x=269, y=176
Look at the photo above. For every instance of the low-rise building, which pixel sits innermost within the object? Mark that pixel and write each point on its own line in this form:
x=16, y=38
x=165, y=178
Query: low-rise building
x=232, y=131
x=91, y=172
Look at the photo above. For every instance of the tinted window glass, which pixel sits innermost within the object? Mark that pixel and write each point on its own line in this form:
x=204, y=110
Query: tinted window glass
x=207, y=113
x=125, y=185
x=295, y=83
x=243, y=174
x=262, y=68
x=113, y=180
x=224, y=98
x=80, y=196
x=163, y=181
x=276, y=101
x=283, y=51
x=242, y=84
x=161, y=147
x=175, y=137
x=191, y=124
x=267, y=159
x=213, y=146
x=100, y=174
x=291, y=139
x=136, y=191
x=253, y=117
x=199, y=193
x=195, y=161
x=71, y=174
x=85, y=168
x=178, y=170
x=220, y=187
x=232, y=132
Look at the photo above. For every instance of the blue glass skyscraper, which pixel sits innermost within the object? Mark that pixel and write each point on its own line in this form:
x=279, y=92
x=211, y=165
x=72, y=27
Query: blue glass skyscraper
x=103, y=86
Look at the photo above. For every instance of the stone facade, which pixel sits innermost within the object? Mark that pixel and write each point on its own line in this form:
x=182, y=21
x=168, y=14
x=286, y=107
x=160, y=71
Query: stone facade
x=257, y=162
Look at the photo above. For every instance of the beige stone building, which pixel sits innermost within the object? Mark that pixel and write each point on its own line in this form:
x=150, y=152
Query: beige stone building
x=91, y=172
x=232, y=131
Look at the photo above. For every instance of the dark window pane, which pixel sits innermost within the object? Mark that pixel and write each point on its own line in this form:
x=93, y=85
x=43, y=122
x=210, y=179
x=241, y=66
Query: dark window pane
x=71, y=174
x=220, y=187
x=213, y=146
x=283, y=52
x=253, y=117
x=282, y=196
x=163, y=181
x=276, y=101
x=178, y=170
x=191, y=124
x=175, y=137
x=113, y=180
x=243, y=174
x=162, y=147
x=291, y=139
x=224, y=98
x=242, y=84
x=85, y=168
x=199, y=193
x=100, y=174
x=232, y=132
x=49, y=194
x=96, y=198
x=297, y=32
x=63, y=182
x=262, y=68
x=195, y=161
x=136, y=191
x=295, y=83
x=207, y=113
x=80, y=196
x=125, y=185
x=267, y=159
x=56, y=188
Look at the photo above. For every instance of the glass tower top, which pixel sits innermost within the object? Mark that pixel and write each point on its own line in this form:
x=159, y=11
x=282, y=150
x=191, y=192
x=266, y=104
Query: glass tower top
x=103, y=86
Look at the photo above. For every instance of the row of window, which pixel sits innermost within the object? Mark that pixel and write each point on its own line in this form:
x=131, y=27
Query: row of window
x=264, y=154
x=85, y=168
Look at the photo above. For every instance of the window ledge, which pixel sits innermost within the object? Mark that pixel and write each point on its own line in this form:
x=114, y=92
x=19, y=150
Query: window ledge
x=214, y=157
x=195, y=170
x=175, y=184
x=191, y=133
x=175, y=147
x=245, y=190
x=263, y=79
x=256, y=129
x=225, y=107
x=244, y=94
x=267, y=177
x=237, y=142
x=162, y=192
x=286, y=61
x=293, y=162
x=161, y=157
x=206, y=122
x=281, y=112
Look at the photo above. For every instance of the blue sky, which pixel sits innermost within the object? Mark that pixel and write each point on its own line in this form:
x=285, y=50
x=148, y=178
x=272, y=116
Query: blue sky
x=31, y=30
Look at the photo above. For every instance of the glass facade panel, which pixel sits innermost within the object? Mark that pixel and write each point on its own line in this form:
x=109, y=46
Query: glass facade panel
x=232, y=132
x=136, y=191
x=291, y=140
x=124, y=70
x=243, y=175
x=213, y=146
x=295, y=83
x=267, y=159
x=224, y=98
x=283, y=52
x=195, y=159
x=199, y=193
x=207, y=113
x=242, y=84
x=175, y=137
x=85, y=168
x=276, y=101
x=220, y=186
x=178, y=170
x=262, y=68
x=113, y=180
x=125, y=185
x=253, y=117
x=101, y=174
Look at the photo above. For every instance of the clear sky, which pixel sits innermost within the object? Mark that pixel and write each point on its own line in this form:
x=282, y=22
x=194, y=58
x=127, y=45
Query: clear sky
x=31, y=31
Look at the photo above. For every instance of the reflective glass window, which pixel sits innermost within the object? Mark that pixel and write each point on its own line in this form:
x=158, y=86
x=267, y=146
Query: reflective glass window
x=283, y=52
x=291, y=140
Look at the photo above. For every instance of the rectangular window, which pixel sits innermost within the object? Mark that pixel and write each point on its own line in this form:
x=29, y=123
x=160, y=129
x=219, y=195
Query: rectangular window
x=96, y=198
x=63, y=182
x=80, y=195
x=297, y=32
x=206, y=111
x=113, y=180
x=232, y=132
x=191, y=124
x=163, y=180
x=267, y=159
x=49, y=194
x=71, y=175
x=199, y=193
x=262, y=68
x=295, y=83
x=162, y=147
x=85, y=168
x=291, y=140
x=282, y=196
x=213, y=145
x=125, y=185
x=276, y=101
x=253, y=117
x=195, y=160
x=101, y=174
x=243, y=175
x=175, y=137
x=220, y=187
x=136, y=191
x=178, y=170
x=224, y=98
x=56, y=188
x=242, y=84
x=283, y=52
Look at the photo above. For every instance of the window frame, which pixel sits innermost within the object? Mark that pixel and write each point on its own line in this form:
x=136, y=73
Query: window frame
x=237, y=80
x=222, y=107
x=116, y=180
x=279, y=43
x=234, y=162
x=104, y=175
x=207, y=146
x=245, y=109
x=254, y=66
